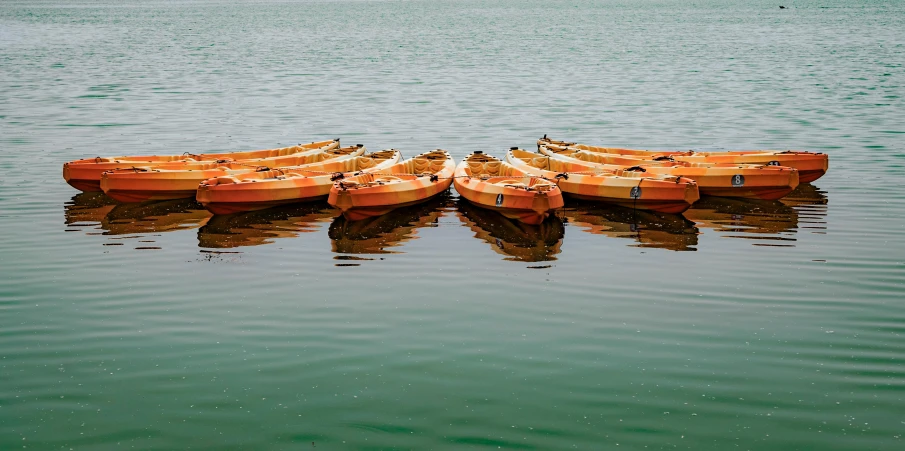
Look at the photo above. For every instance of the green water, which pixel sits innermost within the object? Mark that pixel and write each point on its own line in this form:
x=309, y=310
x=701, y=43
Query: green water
x=740, y=325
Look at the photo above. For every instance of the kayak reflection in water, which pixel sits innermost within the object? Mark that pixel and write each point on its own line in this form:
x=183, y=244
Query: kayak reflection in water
x=93, y=211
x=514, y=239
x=775, y=223
x=647, y=229
x=377, y=234
x=262, y=227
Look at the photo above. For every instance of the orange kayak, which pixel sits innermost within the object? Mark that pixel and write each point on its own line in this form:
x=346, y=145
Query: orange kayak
x=632, y=189
x=85, y=174
x=139, y=184
x=407, y=183
x=724, y=180
x=811, y=166
x=259, y=190
x=493, y=184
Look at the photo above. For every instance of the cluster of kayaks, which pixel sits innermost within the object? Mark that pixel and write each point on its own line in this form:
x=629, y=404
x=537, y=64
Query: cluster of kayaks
x=527, y=186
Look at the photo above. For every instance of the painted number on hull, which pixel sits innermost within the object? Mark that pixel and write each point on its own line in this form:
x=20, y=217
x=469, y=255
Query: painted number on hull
x=499, y=200
x=773, y=163
x=738, y=180
x=635, y=193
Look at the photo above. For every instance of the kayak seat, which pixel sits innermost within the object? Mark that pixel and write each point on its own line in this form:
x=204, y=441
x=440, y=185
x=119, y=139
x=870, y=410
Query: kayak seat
x=492, y=167
x=365, y=163
x=427, y=165
x=584, y=156
x=480, y=168
x=539, y=162
x=281, y=152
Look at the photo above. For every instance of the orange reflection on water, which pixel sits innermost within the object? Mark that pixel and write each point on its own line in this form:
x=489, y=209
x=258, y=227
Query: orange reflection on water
x=646, y=229
x=92, y=211
x=774, y=222
x=377, y=235
x=262, y=227
x=514, y=239
x=769, y=223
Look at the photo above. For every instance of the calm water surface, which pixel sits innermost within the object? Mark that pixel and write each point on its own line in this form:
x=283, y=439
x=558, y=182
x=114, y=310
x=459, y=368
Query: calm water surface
x=740, y=324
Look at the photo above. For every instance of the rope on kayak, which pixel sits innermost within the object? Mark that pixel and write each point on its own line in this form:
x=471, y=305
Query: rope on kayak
x=334, y=176
x=247, y=165
x=599, y=172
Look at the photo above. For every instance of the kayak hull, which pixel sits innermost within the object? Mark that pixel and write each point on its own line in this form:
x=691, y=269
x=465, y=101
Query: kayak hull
x=490, y=183
x=724, y=180
x=808, y=176
x=266, y=189
x=253, y=195
x=85, y=185
x=85, y=174
x=132, y=186
x=655, y=192
x=407, y=183
x=811, y=165
x=143, y=184
x=759, y=182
